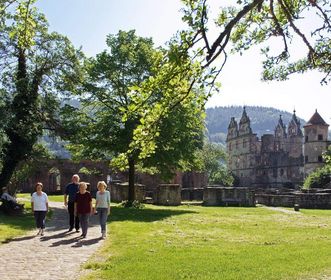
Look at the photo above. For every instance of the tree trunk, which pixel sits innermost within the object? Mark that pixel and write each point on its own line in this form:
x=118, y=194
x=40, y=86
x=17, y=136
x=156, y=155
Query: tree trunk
x=10, y=162
x=24, y=127
x=132, y=195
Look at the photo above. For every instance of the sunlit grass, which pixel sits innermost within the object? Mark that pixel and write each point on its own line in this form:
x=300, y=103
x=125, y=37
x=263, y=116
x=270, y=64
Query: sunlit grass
x=192, y=242
x=13, y=226
x=54, y=198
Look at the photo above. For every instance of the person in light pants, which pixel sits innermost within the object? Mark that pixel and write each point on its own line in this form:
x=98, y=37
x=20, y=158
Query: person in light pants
x=103, y=206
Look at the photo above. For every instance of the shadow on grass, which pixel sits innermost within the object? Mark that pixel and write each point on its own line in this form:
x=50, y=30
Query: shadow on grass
x=143, y=215
x=23, y=238
x=24, y=222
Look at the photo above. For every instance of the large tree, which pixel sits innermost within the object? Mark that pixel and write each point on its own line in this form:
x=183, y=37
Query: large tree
x=36, y=69
x=125, y=113
x=303, y=24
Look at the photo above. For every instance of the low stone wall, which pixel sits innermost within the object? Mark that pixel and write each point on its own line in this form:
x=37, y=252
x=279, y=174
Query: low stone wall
x=275, y=200
x=222, y=196
x=168, y=194
x=192, y=194
x=313, y=200
x=303, y=199
x=120, y=192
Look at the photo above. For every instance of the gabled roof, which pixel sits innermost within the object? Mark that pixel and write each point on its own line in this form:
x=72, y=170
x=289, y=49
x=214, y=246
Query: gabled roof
x=316, y=119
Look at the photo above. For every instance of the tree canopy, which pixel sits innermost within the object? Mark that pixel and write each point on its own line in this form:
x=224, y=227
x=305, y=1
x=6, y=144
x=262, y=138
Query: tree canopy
x=137, y=110
x=36, y=68
x=252, y=22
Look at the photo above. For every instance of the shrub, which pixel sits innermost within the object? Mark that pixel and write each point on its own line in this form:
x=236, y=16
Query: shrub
x=320, y=178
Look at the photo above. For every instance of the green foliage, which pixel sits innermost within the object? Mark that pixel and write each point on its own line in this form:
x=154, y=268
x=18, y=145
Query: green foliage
x=138, y=104
x=37, y=69
x=28, y=166
x=213, y=158
x=132, y=204
x=320, y=178
x=86, y=171
x=284, y=24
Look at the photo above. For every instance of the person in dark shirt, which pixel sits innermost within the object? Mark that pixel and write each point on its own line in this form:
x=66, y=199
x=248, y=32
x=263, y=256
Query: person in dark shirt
x=69, y=201
x=83, y=207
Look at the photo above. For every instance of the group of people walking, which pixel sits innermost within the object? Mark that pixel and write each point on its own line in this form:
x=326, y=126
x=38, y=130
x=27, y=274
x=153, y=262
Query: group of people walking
x=79, y=203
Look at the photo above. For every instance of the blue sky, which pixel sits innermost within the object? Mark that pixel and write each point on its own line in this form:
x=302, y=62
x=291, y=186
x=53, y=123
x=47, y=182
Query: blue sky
x=87, y=22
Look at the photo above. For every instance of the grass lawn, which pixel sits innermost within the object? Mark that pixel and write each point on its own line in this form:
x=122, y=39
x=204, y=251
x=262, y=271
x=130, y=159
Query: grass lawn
x=54, y=198
x=194, y=242
x=12, y=226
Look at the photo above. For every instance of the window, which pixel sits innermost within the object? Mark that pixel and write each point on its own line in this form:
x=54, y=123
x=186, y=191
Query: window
x=281, y=172
x=244, y=144
x=306, y=158
x=320, y=159
x=320, y=137
x=306, y=138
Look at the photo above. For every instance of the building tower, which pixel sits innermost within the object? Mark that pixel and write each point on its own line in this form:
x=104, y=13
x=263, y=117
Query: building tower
x=231, y=142
x=295, y=137
x=241, y=147
x=315, y=142
x=280, y=136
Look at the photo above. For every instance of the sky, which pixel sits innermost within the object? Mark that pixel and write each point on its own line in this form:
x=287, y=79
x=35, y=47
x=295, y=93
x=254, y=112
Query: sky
x=88, y=22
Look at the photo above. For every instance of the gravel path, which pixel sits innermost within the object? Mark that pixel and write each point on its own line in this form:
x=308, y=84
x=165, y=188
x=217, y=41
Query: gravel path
x=57, y=255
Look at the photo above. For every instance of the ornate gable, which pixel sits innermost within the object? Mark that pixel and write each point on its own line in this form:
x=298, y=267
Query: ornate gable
x=280, y=130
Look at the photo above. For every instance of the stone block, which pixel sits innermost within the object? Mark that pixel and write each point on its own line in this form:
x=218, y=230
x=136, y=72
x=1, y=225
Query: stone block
x=120, y=192
x=223, y=196
x=168, y=194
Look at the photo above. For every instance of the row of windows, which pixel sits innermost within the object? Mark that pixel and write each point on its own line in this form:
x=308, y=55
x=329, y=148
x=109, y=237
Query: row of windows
x=319, y=138
x=319, y=158
x=237, y=145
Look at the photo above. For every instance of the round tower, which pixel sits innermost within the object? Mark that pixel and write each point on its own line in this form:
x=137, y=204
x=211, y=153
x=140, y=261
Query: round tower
x=315, y=142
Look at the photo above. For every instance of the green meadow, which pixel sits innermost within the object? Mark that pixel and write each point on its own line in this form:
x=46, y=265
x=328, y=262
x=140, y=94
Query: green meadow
x=13, y=226
x=194, y=242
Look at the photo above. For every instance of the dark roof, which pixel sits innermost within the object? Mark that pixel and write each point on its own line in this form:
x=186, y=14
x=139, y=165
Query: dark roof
x=316, y=119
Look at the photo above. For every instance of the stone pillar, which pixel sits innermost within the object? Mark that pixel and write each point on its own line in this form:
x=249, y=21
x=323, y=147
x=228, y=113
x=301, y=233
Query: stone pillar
x=168, y=194
x=210, y=196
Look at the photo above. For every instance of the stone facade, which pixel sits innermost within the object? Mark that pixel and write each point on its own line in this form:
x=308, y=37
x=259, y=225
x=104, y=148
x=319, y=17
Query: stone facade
x=275, y=160
x=56, y=174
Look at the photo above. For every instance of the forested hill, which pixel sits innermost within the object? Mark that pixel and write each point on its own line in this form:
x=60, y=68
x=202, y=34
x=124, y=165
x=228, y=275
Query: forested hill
x=263, y=120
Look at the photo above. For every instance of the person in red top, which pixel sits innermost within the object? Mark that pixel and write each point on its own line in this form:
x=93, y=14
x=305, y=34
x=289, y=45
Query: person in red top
x=83, y=207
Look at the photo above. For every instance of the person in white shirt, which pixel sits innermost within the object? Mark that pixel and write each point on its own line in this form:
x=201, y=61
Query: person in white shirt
x=39, y=205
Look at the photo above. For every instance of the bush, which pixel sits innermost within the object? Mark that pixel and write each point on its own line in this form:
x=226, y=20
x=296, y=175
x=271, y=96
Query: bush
x=320, y=178
x=134, y=204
